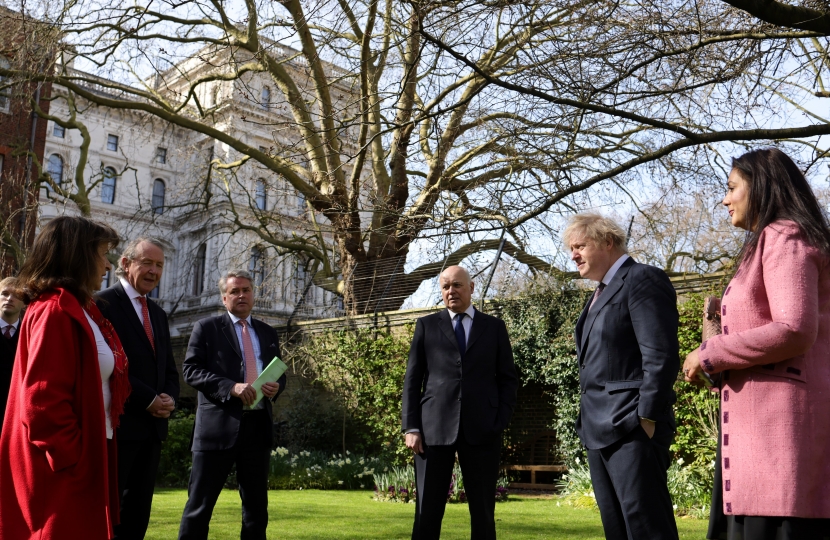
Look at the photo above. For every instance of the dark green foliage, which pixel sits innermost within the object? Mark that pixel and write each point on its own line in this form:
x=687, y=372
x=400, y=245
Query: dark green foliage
x=697, y=408
x=541, y=324
x=175, y=462
x=364, y=369
x=311, y=422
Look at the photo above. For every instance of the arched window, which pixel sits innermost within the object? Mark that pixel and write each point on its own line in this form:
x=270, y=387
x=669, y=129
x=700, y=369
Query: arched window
x=158, y=196
x=261, y=197
x=265, y=98
x=55, y=169
x=108, y=185
x=300, y=279
x=257, y=267
x=301, y=208
x=199, y=271
x=5, y=93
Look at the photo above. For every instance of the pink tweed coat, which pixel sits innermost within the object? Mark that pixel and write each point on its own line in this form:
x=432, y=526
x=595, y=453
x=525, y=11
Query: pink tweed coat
x=775, y=397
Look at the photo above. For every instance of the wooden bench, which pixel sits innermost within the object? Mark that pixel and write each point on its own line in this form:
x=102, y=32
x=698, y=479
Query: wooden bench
x=533, y=470
x=539, y=454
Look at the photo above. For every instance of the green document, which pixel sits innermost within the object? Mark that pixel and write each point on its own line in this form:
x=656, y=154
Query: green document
x=270, y=374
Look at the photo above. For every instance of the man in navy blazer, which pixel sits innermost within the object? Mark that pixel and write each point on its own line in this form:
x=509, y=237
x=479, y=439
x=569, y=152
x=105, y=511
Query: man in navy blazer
x=225, y=355
x=458, y=396
x=626, y=342
x=154, y=379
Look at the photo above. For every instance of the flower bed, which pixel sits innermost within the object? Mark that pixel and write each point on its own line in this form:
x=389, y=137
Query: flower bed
x=398, y=485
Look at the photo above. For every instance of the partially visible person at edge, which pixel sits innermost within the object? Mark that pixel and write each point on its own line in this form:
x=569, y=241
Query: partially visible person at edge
x=69, y=384
x=11, y=305
x=142, y=326
x=772, y=479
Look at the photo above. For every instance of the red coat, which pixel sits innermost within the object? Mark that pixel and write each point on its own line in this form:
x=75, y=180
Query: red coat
x=53, y=448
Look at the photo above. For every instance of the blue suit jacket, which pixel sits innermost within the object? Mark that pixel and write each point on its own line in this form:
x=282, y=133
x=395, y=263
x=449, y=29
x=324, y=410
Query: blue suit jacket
x=628, y=355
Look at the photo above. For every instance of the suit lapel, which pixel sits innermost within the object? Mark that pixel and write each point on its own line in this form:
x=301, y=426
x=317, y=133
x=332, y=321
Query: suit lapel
x=126, y=305
x=610, y=290
x=446, y=326
x=267, y=347
x=230, y=334
x=477, y=329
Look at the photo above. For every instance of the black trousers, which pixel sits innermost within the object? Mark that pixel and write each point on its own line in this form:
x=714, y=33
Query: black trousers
x=138, y=463
x=433, y=473
x=251, y=454
x=629, y=480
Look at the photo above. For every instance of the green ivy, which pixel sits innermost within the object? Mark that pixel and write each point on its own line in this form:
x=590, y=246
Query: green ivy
x=365, y=369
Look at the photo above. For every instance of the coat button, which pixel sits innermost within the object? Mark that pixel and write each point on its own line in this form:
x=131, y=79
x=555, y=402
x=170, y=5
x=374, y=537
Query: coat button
x=459, y=399
x=458, y=362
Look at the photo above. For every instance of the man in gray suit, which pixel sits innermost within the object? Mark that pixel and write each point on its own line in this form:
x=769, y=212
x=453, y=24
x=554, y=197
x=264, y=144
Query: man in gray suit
x=626, y=341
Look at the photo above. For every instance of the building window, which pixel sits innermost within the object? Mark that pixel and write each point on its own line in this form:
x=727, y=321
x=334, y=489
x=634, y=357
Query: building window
x=58, y=131
x=199, y=271
x=108, y=185
x=265, y=98
x=161, y=155
x=257, y=268
x=5, y=92
x=155, y=292
x=261, y=196
x=300, y=280
x=301, y=208
x=112, y=143
x=158, y=196
x=214, y=96
x=54, y=167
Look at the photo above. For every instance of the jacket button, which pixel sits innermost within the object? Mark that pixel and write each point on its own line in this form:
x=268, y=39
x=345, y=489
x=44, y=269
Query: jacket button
x=583, y=390
x=458, y=362
x=459, y=399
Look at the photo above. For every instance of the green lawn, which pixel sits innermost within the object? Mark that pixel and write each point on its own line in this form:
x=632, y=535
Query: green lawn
x=323, y=515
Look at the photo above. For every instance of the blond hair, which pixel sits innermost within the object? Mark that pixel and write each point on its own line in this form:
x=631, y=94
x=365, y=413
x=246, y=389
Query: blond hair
x=596, y=228
x=10, y=282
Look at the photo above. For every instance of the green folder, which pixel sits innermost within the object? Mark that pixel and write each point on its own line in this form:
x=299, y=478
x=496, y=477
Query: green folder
x=270, y=374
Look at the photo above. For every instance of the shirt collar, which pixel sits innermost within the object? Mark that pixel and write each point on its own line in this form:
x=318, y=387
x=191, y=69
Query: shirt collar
x=235, y=319
x=15, y=325
x=131, y=292
x=470, y=311
x=609, y=275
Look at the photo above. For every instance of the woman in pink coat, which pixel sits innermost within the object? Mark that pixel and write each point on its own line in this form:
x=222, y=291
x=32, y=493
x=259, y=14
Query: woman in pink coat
x=773, y=476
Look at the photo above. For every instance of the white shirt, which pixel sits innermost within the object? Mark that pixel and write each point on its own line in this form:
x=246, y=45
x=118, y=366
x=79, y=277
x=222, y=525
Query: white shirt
x=106, y=363
x=609, y=275
x=134, y=295
x=467, y=322
x=254, y=343
x=15, y=327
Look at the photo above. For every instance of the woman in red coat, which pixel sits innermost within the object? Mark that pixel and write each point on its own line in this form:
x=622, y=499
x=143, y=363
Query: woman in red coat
x=68, y=389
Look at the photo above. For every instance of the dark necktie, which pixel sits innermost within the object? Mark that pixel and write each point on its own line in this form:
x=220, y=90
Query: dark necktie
x=8, y=332
x=460, y=336
x=596, y=294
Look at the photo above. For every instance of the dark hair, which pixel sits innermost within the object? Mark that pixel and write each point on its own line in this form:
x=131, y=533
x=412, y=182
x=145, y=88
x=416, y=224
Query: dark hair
x=779, y=190
x=64, y=255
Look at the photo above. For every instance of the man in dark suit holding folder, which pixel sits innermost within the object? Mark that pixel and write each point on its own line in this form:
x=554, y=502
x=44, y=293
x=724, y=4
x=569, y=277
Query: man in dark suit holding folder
x=458, y=396
x=626, y=344
x=224, y=357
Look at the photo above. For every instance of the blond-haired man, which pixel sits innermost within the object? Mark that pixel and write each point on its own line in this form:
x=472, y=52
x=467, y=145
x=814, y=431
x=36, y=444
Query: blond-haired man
x=626, y=342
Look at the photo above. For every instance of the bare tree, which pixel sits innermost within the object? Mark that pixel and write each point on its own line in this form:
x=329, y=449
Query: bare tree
x=396, y=121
